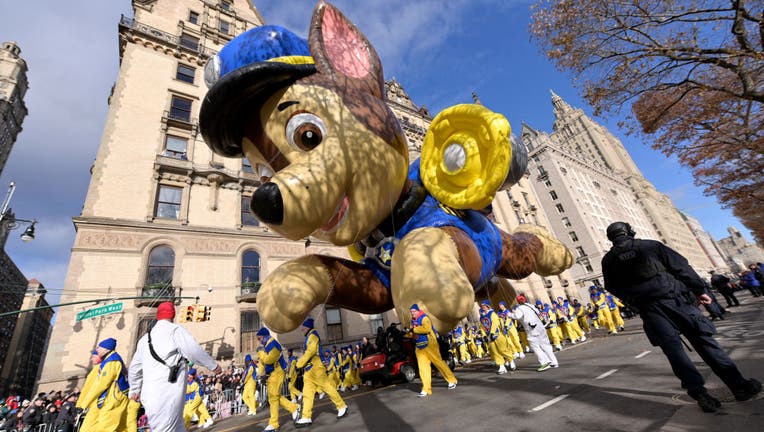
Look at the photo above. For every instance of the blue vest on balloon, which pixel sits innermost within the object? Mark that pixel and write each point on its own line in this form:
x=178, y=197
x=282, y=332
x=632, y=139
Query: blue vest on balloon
x=122, y=383
x=431, y=214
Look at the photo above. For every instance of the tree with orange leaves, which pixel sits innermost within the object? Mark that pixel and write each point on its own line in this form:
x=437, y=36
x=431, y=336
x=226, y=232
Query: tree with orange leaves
x=692, y=74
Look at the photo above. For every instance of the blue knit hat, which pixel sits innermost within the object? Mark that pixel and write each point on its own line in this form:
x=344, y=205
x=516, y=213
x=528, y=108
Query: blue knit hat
x=308, y=323
x=263, y=332
x=414, y=307
x=109, y=344
x=501, y=303
x=486, y=302
x=192, y=372
x=247, y=358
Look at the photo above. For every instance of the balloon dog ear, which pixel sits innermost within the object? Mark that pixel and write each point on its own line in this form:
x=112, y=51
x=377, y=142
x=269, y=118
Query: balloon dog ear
x=341, y=51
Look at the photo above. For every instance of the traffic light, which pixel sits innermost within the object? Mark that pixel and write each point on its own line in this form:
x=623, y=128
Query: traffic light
x=187, y=314
x=202, y=313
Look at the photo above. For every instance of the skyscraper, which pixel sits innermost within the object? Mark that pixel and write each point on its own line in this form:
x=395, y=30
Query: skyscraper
x=585, y=174
x=13, y=88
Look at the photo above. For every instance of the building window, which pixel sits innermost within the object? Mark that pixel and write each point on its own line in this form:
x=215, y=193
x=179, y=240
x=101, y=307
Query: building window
x=225, y=5
x=168, y=202
x=180, y=108
x=246, y=166
x=250, y=324
x=525, y=198
x=589, y=268
x=580, y=251
x=144, y=325
x=542, y=171
x=566, y=221
x=597, y=185
x=553, y=194
x=375, y=322
x=224, y=26
x=185, y=73
x=175, y=147
x=193, y=17
x=247, y=218
x=573, y=236
x=559, y=208
x=563, y=170
x=160, y=268
x=190, y=42
x=250, y=272
x=548, y=183
x=333, y=324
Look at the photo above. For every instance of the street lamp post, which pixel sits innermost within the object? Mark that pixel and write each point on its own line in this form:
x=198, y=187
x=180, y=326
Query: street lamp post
x=9, y=222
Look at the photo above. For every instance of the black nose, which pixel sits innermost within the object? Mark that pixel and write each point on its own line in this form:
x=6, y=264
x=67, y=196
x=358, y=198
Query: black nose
x=267, y=204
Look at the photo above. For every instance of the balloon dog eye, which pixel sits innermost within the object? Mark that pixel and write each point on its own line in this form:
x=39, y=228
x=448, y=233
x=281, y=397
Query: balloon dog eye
x=305, y=131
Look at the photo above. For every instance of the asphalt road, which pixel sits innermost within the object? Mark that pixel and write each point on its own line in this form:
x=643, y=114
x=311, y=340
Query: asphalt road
x=609, y=383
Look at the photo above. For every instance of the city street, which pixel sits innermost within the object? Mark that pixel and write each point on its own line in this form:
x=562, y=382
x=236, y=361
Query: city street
x=616, y=383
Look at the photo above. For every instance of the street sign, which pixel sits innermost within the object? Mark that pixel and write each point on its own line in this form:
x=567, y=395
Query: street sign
x=102, y=310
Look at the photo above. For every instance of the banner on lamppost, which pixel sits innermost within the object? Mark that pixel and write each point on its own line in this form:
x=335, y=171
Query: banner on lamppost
x=101, y=310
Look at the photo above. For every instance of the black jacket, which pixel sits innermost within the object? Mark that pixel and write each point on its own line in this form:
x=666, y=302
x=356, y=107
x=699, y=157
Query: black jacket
x=67, y=414
x=32, y=416
x=641, y=271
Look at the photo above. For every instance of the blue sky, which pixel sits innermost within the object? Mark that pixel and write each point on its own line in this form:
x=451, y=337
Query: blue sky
x=440, y=51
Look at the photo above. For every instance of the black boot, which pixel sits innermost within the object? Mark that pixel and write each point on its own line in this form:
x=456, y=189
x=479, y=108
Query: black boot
x=748, y=391
x=706, y=402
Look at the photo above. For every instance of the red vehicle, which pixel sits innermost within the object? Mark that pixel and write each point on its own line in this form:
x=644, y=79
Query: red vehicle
x=396, y=359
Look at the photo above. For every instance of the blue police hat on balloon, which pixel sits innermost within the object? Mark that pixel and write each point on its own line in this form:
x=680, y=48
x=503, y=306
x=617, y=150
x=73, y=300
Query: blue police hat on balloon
x=248, y=70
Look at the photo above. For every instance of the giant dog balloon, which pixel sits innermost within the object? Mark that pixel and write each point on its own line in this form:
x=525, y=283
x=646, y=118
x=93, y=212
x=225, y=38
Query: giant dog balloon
x=311, y=118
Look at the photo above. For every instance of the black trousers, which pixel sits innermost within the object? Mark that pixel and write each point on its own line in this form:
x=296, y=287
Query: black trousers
x=665, y=320
x=729, y=296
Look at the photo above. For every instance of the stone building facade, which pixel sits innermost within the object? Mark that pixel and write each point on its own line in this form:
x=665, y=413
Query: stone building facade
x=708, y=246
x=164, y=216
x=585, y=176
x=740, y=252
x=13, y=88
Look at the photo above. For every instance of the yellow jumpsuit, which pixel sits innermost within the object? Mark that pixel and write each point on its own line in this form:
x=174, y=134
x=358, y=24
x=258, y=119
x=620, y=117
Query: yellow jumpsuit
x=333, y=370
x=356, y=368
x=315, y=379
x=132, y=415
x=346, y=368
x=250, y=385
x=109, y=393
x=474, y=347
x=513, y=339
x=498, y=346
x=603, y=312
x=593, y=315
x=583, y=322
x=194, y=404
x=615, y=312
x=428, y=353
x=91, y=418
x=293, y=391
x=272, y=364
x=553, y=330
x=460, y=340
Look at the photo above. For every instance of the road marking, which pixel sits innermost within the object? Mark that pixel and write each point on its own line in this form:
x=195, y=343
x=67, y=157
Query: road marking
x=607, y=374
x=550, y=403
x=642, y=354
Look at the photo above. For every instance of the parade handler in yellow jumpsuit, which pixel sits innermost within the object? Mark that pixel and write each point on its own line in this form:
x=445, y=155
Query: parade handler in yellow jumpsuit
x=498, y=346
x=599, y=300
x=109, y=391
x=91, y=417
x=315, y=379
x=250, y=385
x=615, y=306
x=427, y=351
x=271, y=368
x=294, y=392
x=195, y=403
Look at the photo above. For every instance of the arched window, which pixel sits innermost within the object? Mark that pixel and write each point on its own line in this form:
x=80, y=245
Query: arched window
x=161, y=267
x=250, y=272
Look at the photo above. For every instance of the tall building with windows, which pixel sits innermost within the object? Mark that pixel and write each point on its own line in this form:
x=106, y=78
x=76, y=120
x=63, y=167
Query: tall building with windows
x=586, y=178
x=708, y=246
x=13, y=88
x=27, y=346
x=739, y=251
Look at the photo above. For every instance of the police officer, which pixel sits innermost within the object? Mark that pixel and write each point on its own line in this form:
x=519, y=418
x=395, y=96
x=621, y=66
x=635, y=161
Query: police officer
x=657, y=281
x=65, y=419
